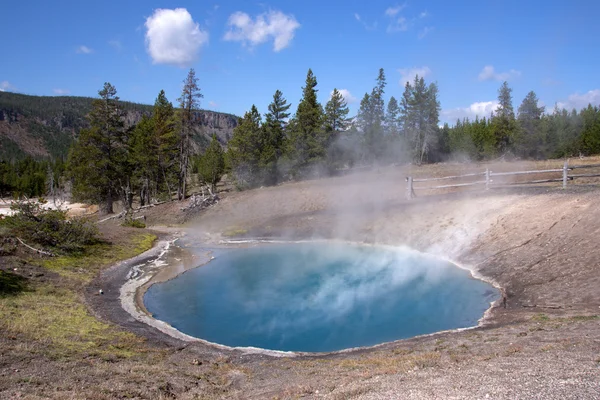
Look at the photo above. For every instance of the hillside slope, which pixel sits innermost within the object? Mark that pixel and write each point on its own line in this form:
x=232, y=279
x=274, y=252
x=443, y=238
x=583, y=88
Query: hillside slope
x=43, y=126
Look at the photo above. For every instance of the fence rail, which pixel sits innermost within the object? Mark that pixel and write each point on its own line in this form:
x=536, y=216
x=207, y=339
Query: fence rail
x=448, y=177
x=488, y=182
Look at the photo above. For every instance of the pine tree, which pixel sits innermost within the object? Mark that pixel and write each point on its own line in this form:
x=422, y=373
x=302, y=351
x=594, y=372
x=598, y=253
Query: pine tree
x=378, y=104
x=336, y=122
x=419, y=115
x=212, y=164
x=274, y=136
x=166, y=142
x=529, y=140
x=590, y=134
x=504, y=123
x=336, y=113
x=244, y=149
x=189, y=102
x=307, y=137
x=373, y=128
x=432, y=132
x=444, y=142
x=96, y=161
x=364, y=118
x=392, y=118
x=142, y=155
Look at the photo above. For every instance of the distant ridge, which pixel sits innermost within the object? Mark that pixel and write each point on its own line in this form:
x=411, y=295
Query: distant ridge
x=45, y=126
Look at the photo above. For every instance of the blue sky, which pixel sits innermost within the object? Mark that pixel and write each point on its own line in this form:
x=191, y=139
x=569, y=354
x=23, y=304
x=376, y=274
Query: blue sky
x=243, y=51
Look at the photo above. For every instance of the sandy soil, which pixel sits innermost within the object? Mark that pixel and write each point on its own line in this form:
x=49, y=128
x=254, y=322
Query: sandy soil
x=538, y=243
x=73, y=209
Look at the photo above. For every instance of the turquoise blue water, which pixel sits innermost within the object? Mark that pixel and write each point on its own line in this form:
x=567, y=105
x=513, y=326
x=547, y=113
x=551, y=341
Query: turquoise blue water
x=318, y=297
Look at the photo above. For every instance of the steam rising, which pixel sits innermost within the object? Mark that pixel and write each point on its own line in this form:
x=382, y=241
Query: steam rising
x=356, y=276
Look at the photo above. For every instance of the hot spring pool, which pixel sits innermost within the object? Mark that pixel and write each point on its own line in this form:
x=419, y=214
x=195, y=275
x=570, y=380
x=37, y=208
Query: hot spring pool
x=319, y=297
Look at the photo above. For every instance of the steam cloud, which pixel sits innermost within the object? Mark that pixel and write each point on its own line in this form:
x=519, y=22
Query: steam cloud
x=364, y=276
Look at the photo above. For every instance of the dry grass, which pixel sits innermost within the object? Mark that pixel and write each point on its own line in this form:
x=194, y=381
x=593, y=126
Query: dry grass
x=385, y=364
x=54, y=315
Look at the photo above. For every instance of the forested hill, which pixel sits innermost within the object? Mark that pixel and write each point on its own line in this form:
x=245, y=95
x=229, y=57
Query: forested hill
x=44, y=126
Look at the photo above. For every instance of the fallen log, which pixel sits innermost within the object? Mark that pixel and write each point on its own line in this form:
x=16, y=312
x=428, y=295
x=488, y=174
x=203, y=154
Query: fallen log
x=46, y=253
x=119, y=215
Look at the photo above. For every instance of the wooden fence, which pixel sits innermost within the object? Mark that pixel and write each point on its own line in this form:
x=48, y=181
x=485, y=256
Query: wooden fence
x=486, y=178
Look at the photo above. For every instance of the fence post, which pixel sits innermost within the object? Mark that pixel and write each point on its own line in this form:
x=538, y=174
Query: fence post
x=409, y=187
x=487, y=179
x=565, y=170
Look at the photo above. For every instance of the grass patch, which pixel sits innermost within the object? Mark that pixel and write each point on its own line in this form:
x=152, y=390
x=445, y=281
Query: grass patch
x=231, y=232
x=585, y=317
x=54, y=316
x=84, y=266
x=384, y=364
x=134, y=223
x=558, y=321
x=540, y=318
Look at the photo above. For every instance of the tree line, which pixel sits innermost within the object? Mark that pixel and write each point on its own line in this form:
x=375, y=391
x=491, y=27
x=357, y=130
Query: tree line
x=317, y=140
x=153, y=159
x=31, y=178
x=533, y=133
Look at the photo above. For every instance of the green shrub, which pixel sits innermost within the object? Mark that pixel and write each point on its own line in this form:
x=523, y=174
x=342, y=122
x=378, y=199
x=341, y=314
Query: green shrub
x=47, y=228
x=133, y=223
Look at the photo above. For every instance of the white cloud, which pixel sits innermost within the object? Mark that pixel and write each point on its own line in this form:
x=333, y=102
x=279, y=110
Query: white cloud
x=6, y=85
x=579, y=101
x=272, y=25
x=172, y=37
x=368, y=27
x=480, y=109
x=393, y=11
x=84, y=50
x=424, y=14
x=425, y=31
x=350, y=99
x=397, y=23
x=488, y=73
x=213, y=104
x=408, y=74
x=61, y=91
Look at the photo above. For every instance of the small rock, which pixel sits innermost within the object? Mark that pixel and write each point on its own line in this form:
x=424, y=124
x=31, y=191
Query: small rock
x=195, y=361
x=100, y=291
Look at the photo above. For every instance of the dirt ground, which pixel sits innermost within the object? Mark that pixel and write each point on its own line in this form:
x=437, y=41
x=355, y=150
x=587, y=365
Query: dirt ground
x=539, y=243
